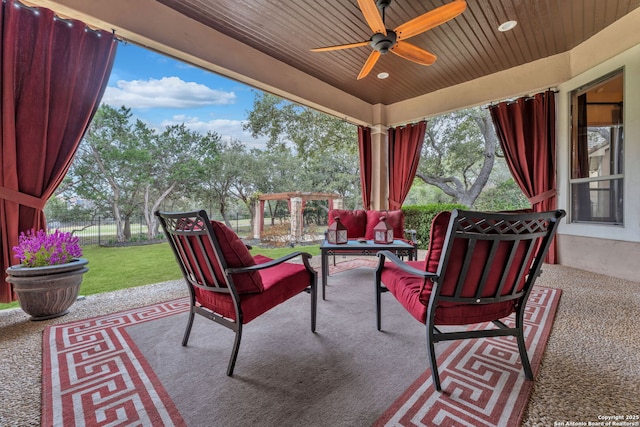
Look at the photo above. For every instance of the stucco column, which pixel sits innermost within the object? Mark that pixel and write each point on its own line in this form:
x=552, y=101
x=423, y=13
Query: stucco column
x=379, y=168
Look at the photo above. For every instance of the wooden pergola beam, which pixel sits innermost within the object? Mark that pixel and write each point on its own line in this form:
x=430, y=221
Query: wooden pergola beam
x=300, y=194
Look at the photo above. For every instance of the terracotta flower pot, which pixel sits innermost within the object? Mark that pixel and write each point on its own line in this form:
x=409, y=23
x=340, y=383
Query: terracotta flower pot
x=47, y=292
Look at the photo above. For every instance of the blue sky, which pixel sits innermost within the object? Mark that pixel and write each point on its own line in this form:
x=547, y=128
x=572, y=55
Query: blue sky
x=162, y=91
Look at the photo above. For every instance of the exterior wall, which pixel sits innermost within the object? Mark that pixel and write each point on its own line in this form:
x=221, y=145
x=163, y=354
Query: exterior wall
x=613, y=258
x=609, y=249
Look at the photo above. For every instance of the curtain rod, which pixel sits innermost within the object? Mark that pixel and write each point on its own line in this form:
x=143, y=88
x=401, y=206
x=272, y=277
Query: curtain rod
x=69, y=21
x=526, y=97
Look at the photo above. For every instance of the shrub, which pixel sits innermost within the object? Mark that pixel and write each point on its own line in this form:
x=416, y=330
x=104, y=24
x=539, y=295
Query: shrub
x=278, y=235
x=505, y=196
x=420, y=217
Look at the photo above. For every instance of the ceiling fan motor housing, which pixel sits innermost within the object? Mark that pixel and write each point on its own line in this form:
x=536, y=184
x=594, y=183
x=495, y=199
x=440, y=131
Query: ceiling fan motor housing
x=383, y=43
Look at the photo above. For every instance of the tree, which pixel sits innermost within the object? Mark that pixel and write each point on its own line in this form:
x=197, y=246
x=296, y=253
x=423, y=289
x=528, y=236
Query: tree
x=459, y=153
x=336, y=171
x=106, y=169
x=277, y=170
x=309, y=131
x=504, y=195
x=254, y=172
x=307, y=150
x=123, y=164
x=221, y=174
x=179, y=157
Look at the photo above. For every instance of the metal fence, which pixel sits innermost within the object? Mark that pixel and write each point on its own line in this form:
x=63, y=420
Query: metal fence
x=103, y=231
x=98, y=231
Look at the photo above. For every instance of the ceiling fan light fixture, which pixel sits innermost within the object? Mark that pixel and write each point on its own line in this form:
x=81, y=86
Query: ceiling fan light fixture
x=507, y=26
x=383, y=75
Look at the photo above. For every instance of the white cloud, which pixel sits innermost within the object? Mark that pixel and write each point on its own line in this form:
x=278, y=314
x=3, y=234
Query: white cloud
x=227, y=129
x=167, y=92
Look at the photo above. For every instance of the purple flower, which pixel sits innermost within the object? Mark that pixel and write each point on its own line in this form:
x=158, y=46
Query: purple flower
x=37, y=249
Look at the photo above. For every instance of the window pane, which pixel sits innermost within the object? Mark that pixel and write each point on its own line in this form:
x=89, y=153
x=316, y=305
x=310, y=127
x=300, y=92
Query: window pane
x=597, y=201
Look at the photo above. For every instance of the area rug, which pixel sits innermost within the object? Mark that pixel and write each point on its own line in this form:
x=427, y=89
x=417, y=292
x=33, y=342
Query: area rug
x=482, y=380
x=92, y=375
x=128, y=368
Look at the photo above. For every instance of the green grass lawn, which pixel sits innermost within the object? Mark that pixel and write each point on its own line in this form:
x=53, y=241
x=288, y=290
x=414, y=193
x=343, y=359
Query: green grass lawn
x=114, y=268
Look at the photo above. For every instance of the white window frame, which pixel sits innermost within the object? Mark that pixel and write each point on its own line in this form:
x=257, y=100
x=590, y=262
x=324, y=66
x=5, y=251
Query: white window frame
x=573, y=134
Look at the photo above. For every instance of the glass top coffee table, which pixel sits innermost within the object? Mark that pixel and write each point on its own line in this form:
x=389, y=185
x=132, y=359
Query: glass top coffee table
x=359, y=248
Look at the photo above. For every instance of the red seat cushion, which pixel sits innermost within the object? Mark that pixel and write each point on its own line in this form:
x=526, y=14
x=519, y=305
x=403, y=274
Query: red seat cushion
x=354, y=221
x=280, y=283
x=395, y=219
x=407, y=288
x=465, y=314
x=236, y=255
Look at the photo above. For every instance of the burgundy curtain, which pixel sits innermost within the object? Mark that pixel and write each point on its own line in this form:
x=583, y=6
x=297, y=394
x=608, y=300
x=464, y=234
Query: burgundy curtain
x=364, y=145
x=405, y=146
x=526, y=131
x=54, y=73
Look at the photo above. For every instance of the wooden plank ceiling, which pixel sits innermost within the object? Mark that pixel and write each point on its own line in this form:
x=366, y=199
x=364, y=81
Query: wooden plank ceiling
x=468, y=47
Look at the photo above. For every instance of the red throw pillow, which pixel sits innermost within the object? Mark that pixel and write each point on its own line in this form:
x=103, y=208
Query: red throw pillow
x=354, y=221
x=236, y=254
x=394, y=218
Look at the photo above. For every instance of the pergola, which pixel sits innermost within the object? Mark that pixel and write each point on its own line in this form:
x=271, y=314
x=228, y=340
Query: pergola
x=296, y=201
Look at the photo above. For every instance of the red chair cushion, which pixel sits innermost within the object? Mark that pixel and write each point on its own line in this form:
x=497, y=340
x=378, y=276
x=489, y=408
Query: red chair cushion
x=407, y=288
x=414, y=292
x=236, y=255
x=437, y=234
x=280, y=283
x=464, y=314
x=461, y=314
x=395, y=219
x=354, y=221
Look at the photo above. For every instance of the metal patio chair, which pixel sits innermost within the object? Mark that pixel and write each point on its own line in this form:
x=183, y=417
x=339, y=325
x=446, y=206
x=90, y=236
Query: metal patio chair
x=480, y=267
x=226, y=283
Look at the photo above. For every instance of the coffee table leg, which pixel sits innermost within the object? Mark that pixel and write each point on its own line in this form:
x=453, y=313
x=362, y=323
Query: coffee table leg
x=325, y=271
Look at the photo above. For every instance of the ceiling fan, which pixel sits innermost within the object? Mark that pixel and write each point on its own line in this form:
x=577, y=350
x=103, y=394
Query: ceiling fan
x=385, y=40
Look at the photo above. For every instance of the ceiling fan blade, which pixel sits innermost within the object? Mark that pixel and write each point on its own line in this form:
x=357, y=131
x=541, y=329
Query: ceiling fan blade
x=371, y=61
x=372, y=16
x=430, y=19
x=413, y=53
x=340, y=46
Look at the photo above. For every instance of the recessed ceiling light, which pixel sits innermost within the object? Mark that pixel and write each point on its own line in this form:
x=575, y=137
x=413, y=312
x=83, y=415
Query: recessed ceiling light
x=506, y=26
x=383, y=75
